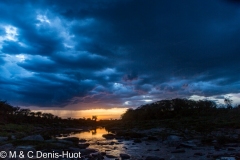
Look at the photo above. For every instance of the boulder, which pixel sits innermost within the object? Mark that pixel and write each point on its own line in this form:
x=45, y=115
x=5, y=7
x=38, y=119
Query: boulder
x=34, y=138
x=25, y=149
x=227, y=158
x=124, y=156
x=87, y=151
x=72, y=139
x=173, y=140
x=6, y=147
x=65, y=141
x=109, y=136
x=83, y=145
x=3, y=139
x=60, y=145
x=152, y=138
x=110, y=156
x=111, y=143
x=74, y=150
x=188, y=145
x=178, y=151
x=154, y=158
x=231, y=149
x=137, y=141
x=198, y=154
x=82, y=140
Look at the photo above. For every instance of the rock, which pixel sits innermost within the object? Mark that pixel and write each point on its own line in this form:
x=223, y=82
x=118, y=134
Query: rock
x=25, y=149
x=96, y=154
x=198, y=154
x=227, y=158
x=188, y=145
x=231, y=149
x=110, y=156
x=28, y=148
x=82, y=140
x=52, y=141
x=137, y=141
x=38, y=128
x=103, y=153
x=87, y=151
x=218, y=155
x=152, y=138
x=3, y=139
x=74, y=150
x=237, y=155
x=173, y=140
x=124, y=156
x=34, y=138
x=111, y=143
x=231, y=145
x=13, y=137
x=109, y=136
x=178, y=151
x=65, y=142
x=60, y=145
x=6, y=147
x=217, y=147
x=72, y=139
x=153, y=158
x=83, y=146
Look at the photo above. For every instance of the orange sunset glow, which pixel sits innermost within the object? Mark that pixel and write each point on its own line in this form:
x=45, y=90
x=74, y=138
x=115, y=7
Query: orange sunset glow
x=113, y=113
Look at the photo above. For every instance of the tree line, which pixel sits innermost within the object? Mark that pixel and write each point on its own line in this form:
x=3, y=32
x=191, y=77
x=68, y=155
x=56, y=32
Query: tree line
x=176, y=108
x=11, y=114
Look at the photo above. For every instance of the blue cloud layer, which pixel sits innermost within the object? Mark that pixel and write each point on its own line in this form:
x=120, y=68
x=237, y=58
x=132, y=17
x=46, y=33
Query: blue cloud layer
x=117, y=53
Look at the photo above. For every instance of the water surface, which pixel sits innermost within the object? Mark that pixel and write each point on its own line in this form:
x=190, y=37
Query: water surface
x=115, y=147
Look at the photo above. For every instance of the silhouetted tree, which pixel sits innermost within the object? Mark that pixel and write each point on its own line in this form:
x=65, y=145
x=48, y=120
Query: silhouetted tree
x=228, y=103
x=39, y=114
x=94, y=118
x=24, y=112
x=32, y=114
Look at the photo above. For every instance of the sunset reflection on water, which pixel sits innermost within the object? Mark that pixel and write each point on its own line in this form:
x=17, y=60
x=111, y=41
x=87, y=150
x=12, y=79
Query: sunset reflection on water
x=91, y=134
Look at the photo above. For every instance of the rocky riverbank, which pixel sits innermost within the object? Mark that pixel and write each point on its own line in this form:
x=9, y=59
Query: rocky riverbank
x=152, y=144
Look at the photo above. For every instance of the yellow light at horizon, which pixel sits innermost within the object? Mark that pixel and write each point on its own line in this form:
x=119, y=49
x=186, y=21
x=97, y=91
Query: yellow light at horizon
x=112, y=113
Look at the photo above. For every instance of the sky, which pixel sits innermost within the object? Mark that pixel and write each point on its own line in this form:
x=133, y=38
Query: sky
x=78, y=55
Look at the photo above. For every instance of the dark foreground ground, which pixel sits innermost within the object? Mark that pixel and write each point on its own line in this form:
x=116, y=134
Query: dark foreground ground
x=126, y=140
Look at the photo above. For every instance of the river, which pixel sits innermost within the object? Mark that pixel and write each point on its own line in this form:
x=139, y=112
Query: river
x=114, y=147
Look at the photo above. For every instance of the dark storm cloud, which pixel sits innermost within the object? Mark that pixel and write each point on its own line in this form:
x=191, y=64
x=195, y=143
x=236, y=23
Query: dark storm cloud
x=40, y=43
x=38, y=64
x=81, y=60
x=120, y=53
x=2, y=62
x=233, y=1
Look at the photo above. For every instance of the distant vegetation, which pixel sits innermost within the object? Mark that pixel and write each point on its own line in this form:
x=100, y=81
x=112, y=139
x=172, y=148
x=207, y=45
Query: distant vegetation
x=183, y=116
x=17, y=115
x=175, y=108
x=202, y=115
